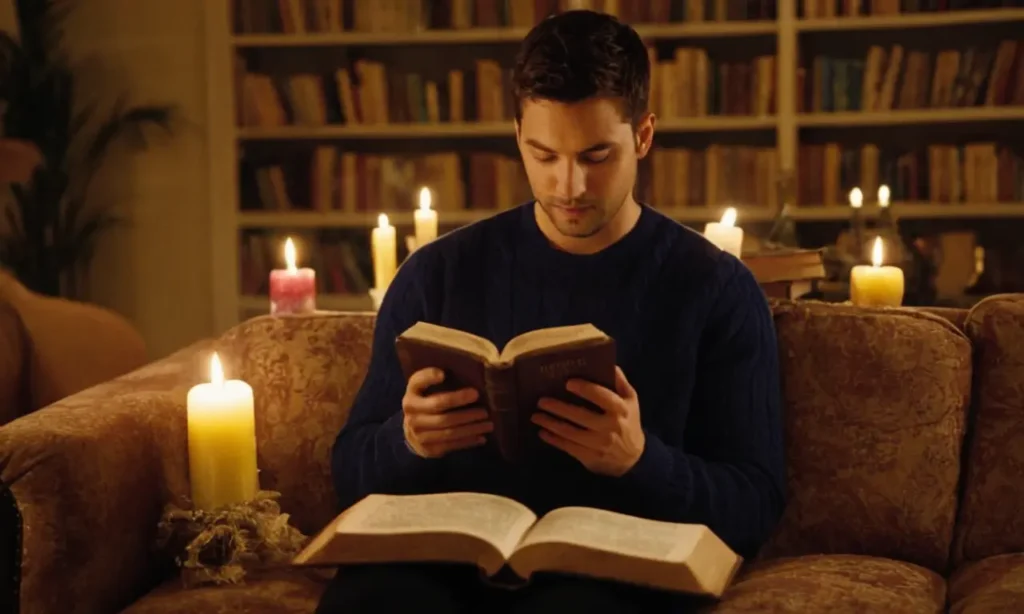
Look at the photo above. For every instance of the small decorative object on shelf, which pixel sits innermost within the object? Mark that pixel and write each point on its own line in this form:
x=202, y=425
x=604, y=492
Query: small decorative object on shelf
x=221, y=441
x=292, y=290
x=221, y=546
x=385, y=252
x=425, y=219
x=876, y=285
x=725, y=234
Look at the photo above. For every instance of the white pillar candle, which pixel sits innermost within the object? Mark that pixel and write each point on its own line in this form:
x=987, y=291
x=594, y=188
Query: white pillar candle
x=425, y=220
x=876, y=285
x=385, y=253
x=725, y=234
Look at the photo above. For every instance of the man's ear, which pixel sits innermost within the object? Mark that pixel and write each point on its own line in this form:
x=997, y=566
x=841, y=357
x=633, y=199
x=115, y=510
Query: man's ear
x=644, y=135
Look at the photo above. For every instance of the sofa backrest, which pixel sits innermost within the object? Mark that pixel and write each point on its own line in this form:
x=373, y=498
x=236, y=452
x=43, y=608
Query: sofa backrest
x=991, y=520
x=305, y=372
x=875, y=405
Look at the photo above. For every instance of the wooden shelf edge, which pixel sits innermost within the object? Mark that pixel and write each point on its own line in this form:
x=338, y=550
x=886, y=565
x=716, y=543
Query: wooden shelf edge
x=911, y=20
x=846, y=119
x=919, y=211
x=492, y=35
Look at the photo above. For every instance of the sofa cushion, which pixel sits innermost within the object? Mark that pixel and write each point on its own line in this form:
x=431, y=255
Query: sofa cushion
x=834, y=583
x=875, y=403
x=280, y=592
x=305, y=371
x=990, y=519
x=995, y=584
x=12, y=362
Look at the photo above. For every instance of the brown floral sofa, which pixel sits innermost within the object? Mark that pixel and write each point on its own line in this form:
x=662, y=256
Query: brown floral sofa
x=904, y=432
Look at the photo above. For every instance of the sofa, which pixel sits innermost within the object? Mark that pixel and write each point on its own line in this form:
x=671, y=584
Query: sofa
x=53, y=347
x=904, y=435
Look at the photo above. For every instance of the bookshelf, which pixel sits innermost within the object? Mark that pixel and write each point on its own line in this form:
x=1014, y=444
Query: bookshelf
x=801, y=140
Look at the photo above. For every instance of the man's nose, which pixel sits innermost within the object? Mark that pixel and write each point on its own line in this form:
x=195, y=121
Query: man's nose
x=572, y=180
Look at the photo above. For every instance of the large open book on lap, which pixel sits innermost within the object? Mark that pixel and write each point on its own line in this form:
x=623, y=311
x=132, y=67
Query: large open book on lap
x=511, y=380
x=503, y=537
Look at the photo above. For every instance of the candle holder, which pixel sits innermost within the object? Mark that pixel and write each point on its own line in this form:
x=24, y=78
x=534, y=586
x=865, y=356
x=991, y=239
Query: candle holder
x=377, y=296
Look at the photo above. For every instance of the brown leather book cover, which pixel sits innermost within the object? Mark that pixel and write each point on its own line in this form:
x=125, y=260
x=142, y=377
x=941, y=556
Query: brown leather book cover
x=511, y=381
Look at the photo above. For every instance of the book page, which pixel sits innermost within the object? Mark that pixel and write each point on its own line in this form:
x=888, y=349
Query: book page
x=453, y=338
x=545, y=338
x=609, y=531
x=497, y=520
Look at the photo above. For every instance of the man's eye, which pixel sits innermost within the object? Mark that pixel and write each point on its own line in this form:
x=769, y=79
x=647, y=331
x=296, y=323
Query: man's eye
x=596, y=158
x=544, y=159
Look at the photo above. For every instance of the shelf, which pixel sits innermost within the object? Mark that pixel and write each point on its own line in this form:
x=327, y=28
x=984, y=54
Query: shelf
x=325, y=302
x=911, y=20
x=491, y=35
x=470, y=130
x=339, y=219
x=914, y=211
x=851, y=119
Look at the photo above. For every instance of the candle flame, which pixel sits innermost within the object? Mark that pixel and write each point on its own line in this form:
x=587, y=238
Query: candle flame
x=425, y=198
x=216, y=371
x=856, y=198
x=382, y=220
x=289, y=254
x=876, y=252
x=883, y=196
x=729, y=217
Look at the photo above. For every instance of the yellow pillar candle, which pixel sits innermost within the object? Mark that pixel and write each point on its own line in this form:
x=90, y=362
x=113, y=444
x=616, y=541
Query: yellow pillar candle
x=876, y=285
x=425, y=220
x=385, y=253
x=725, y=234
x=221, y=441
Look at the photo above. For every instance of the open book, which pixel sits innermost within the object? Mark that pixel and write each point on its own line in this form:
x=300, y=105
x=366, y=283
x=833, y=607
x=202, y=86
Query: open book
x=506, y=540
x=511, y=381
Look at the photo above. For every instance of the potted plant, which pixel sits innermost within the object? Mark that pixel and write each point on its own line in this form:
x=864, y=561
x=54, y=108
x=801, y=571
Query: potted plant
x=50, y=226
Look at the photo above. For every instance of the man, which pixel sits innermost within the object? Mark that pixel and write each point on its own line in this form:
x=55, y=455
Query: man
x=692, y=430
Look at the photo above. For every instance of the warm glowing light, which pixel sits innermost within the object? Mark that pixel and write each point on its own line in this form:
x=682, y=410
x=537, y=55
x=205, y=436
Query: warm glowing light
x=729, y=217
x=289, y=254
x=876, y=253
x=382, y=220
x=856, y=198
x=216, y=371
x=425, y=199
x=883, y=196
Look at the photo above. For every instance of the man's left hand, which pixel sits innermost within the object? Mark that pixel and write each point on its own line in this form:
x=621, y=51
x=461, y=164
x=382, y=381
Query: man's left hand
x=609, y=443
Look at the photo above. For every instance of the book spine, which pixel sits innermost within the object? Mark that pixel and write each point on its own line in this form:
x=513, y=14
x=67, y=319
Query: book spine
x=500, y=385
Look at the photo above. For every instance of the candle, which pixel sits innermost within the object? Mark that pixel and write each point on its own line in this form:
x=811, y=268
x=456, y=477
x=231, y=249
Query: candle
x=221, y=441
x=856, y=198
x=385, y=253
x=876, y=285
x=292, y=290
x=883, y=196
x=425, y=220
x=725, y=234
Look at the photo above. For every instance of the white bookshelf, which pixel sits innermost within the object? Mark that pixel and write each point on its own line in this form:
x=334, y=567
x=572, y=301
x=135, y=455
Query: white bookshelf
x=785, y=126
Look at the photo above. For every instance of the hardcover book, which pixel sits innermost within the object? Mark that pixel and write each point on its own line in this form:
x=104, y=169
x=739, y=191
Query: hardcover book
x=508, y=543
x=512, y=380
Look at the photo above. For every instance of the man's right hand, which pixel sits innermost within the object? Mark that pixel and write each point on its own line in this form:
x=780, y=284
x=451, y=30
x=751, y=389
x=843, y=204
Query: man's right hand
x=432, y=428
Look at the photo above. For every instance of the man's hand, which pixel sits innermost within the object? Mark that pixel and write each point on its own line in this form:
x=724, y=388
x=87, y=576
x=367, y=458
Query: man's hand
x=609, y=443
x=431, y=428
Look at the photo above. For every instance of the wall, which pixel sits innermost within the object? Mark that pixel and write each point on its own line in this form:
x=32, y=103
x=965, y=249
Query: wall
x=155, y=270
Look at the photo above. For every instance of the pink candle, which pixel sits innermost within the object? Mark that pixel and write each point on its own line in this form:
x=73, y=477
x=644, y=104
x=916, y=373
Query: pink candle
x=292, y=290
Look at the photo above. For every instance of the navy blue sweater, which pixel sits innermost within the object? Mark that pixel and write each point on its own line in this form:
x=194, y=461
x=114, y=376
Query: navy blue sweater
x=695, y=338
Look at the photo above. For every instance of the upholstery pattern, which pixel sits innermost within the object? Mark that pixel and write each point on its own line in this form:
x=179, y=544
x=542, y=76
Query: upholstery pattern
x=991, y=521
x=270, y=593
x=305, y=372
x=836, y=584
x=995, y=584
x=875, y=404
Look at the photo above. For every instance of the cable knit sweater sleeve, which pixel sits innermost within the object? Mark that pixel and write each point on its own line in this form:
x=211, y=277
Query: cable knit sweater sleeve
x=731, y=477
x=370, y=454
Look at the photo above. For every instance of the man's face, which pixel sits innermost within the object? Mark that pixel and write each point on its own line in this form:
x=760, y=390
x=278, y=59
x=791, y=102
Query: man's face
x=581, y=160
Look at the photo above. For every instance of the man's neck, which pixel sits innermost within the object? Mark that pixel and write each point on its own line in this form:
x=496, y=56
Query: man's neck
x=619, y=226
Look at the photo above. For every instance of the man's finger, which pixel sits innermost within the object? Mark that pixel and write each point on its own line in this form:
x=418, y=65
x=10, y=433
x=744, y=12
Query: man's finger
x=598, y=395
x=441, y=401
x=459, y=444
x=425, y=378
x=569, y=432
x=454, y=433
x=580, y=416
x=433, y=422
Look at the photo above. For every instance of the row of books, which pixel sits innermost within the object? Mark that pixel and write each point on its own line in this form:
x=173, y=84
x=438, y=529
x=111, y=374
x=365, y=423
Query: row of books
x=335, y=180
x=342, y=261
x=898, y=78
x=981, y=172
x=817, y=9
x=393, y=16
x=689, y=85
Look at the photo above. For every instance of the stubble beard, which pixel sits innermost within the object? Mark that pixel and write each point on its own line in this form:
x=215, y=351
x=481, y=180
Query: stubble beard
x=587, y=225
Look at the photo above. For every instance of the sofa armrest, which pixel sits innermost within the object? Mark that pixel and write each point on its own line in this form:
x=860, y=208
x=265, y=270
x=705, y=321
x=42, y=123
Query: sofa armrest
x=88, y=478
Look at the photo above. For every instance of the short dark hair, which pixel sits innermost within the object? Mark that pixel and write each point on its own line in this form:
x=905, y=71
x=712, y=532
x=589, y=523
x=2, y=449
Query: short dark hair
x=579, y=54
